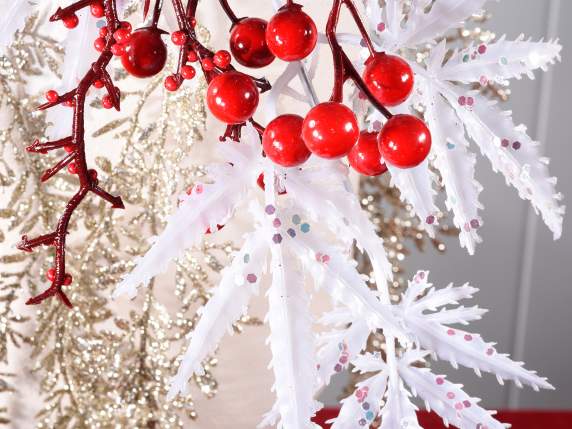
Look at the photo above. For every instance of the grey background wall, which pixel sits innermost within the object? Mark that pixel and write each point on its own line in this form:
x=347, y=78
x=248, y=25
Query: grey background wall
x=524, y=276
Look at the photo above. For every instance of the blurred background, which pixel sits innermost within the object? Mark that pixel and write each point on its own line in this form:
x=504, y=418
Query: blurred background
x=525, y=278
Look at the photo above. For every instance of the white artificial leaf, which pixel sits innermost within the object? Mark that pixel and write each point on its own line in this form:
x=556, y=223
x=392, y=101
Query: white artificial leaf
x=501, y=60
x=291, y=342
x=228, y=303
x=398, y=411
x=416, y=188
x=446, y=399
x=457, y=166
x=207, y=207
x=444, y=15
x=511, y=151
x=340, y=346
x=360, y=409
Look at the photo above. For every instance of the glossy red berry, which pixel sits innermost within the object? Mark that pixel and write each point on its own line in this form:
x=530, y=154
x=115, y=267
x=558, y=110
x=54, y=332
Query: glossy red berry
x=72, y=168
x=171, y=83
x=222, y=59
x=70, y=21
x=97, y=10
x=93, y=174
x=404, y=141
x=69, y=103
x=68, y=279
x=188, y=72
x=103, y=31
x=282, y=141
x=232, y=97
x=51, y=274
x=330, y=130
x=68, y=149
x=118, y=50
x=127, y=26
x=291, y=34
x=208, y=64
x=248, y=43
x=107, y=102
x=52, y=96
x=145, y=53
x=122, y=35
x=99, y=44
x=178, y=38
x=365, y=158
x=192, y=57
x=389, y=78
x=98, y=84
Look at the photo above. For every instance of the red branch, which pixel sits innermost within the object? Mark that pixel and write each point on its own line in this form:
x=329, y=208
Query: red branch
x=343, y=67
x=75, y=144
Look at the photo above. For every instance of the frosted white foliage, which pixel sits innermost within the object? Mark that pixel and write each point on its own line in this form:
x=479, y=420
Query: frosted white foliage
x=426, y=312
x=458, y=115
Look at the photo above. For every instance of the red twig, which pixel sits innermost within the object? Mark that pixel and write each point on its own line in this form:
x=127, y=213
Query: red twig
x=343, y=67
x=76, y=144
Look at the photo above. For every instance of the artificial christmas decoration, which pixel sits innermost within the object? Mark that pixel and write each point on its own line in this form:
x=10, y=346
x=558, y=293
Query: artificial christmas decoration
x=301, y=204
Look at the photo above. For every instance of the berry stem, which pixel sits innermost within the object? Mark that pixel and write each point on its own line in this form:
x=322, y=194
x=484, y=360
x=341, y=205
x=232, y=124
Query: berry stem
x=61, y=13
x=229, y=12
x=343, y=67
x=87, y=179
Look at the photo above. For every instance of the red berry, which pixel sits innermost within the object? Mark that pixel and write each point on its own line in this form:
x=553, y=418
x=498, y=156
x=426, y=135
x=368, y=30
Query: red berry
x=107, y=102
x=97, y=9
x=99, y=44
x=192, y=56
x=248, y=43
x=72, y=168
x=330, y=130
x=232, y=97
x=98, y=84
x=69, y=149
x=103, y=31
x=404, y=141
x=193, y=22
x=68, y=279
x=70, y=21
x=145, y=53
x=222, y=59
x=127, y=26
x=171, y=83
x=122, y=35
x=208, y=64
x=69, y=103
x=92, y=174
x=52, y=96
x=51, y=274
x=178, y=38
x=291, y=34
x=188, y=72
x=117, y=49
x=389, y=78
x=282, y=141
x=365, y=158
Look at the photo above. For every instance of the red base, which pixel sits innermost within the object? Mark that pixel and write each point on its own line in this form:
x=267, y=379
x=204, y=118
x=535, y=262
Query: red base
x=518, y=419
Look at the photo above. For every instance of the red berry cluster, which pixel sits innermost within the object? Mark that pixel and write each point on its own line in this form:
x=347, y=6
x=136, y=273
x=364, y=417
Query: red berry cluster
x=330, y=130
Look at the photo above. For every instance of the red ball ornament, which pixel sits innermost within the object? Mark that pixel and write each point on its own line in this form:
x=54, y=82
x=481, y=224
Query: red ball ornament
x=282, y=141
x=389, y=78
x=97, y=9
x=232, y=97
x=70, y=21
x=365, y=158
x=404, y=141
x=145, y=53
x=248, y=43
x=330, y=130
x=291, y=34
